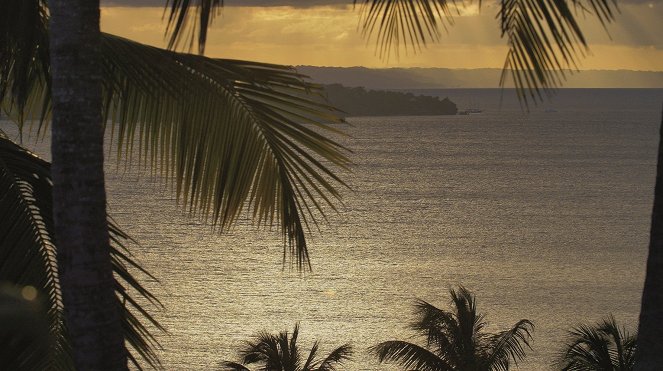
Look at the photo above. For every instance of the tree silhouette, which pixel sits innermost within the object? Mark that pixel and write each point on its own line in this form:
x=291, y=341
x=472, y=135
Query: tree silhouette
x=456, y=340
x=601, y=347
x=282, y=353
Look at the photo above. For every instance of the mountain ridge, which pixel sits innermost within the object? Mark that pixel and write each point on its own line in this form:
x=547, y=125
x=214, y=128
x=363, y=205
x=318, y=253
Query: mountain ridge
x=445, y=78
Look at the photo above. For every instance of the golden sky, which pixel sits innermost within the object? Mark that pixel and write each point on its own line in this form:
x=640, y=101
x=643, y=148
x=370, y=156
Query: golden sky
x=329, y=36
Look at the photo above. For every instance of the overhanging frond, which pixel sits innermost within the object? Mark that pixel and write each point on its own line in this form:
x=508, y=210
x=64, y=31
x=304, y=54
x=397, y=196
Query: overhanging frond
x=24, y=61
x=409, y=24
x=190, y=20
x=233, y=136
x=28, y=255
x=27, y=248
x=545, y=40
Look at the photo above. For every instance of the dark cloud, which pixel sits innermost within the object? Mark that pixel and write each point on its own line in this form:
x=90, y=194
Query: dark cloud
x=295, y=3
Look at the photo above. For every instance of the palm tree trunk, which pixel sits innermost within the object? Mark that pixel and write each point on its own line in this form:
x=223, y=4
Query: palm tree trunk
x=649, y=353
x=79, y=198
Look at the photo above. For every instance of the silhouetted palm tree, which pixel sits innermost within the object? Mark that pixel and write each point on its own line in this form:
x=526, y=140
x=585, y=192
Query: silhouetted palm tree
x=602, y=347
x=455, y=340
x=229, y=132
x=281, y=353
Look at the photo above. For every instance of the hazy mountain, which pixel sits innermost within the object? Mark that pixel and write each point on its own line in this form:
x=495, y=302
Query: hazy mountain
x=428, y=78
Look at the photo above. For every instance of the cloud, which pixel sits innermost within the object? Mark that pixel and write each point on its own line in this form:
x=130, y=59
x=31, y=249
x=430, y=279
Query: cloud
x=328, y=35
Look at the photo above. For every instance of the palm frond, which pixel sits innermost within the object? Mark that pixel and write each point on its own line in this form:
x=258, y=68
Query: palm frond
x=409, y=24
x=509, y=345
x=312, y=354
x=233, y=366
x=189, y=20
x=281, y=352
x=543, y=36
x=623, y=350
x=24, y=62
x=588, y=349
x=410, y=356
x=335, y=358
x=455, y=339
x=235, y=136
x=603, y=346
x=439, y=327
x=544, y=41
x=28, y=254
x=264, y=349
x=27, y=248
x=231, y=135
x=470, y=323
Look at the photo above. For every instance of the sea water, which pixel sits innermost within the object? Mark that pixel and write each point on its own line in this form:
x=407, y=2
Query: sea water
x=543, y=215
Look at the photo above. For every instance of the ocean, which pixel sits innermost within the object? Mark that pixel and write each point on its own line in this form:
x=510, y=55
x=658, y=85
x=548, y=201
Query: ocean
x=543, y=215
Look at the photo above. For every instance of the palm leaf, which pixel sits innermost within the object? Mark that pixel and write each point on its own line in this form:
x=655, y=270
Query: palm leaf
x=623, y=350
x=455, y=339
x=233, y=366
x=439, y=327
x=24, y=61
x=188, y=19
x=507, y=346
x=27, y=249
x=468, y=335
x=603, y=346
x=281, y=353
x=28, y=255
x=231, y=136
x=308, y=364
x=410, y=356
x=235, y=136
x=335, y=358
x=588, y=349
x=545, y=41
x=409, y=24
x=543, y=36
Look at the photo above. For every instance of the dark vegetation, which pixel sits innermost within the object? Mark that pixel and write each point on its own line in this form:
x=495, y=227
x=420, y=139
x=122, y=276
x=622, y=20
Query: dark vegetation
x=361, y=102
x=454, y=339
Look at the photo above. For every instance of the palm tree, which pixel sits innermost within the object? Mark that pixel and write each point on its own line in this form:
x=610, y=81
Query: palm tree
x=28, y=258
x=281, y=353
x=233, y=135
x=649, y=355
x=456, y=340
x=602, y=347
x=79, y=194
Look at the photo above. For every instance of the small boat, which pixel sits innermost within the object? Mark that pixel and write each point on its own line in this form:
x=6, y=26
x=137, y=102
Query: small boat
x=470, y=111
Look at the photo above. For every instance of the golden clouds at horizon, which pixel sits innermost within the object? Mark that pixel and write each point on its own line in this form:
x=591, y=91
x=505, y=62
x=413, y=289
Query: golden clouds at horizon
x=329, y=36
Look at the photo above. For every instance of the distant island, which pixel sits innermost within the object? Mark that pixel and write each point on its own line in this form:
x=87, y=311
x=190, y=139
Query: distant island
x=361, y=102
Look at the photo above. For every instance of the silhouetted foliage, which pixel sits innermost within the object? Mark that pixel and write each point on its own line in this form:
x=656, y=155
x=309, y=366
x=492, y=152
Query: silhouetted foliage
x=456, y=341
x=281, y=353
x=601, y=347
x=361, y=102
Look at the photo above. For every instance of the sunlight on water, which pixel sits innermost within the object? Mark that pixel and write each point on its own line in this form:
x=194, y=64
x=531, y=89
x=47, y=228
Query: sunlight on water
x=544, y=216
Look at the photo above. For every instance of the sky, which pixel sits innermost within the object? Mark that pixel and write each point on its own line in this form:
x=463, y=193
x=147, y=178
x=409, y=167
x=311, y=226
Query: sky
x=326, y=33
